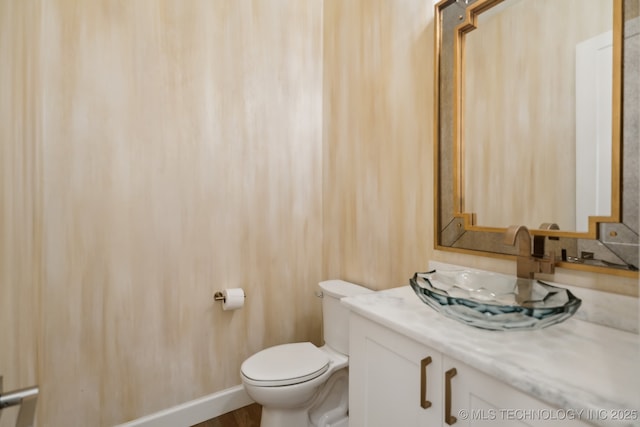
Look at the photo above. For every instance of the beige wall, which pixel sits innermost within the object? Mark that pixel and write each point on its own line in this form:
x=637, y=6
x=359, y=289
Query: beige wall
x=154, y=152
x=159, y=151
x=20, y=197
x=378, y=114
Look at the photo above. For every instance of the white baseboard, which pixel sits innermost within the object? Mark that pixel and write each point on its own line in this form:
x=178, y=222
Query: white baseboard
x=196, y=411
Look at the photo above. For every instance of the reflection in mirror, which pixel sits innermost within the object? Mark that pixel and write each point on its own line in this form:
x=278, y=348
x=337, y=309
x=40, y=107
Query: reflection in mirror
x=609, y=246
x=522, y=112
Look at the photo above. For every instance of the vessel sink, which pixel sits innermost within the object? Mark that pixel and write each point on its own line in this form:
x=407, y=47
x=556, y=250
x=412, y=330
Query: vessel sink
x=494, y=301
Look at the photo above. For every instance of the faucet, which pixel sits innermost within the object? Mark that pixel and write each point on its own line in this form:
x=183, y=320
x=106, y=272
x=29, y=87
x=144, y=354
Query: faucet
x=527, y=264
x=538, y=241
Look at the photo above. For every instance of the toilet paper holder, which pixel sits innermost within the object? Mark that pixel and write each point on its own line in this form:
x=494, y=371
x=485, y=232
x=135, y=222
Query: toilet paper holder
x=219, y=296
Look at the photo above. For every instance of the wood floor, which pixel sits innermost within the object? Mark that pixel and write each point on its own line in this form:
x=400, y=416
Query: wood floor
x=249, y=416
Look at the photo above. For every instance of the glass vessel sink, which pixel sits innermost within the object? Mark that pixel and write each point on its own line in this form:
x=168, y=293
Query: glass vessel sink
x=494, y=301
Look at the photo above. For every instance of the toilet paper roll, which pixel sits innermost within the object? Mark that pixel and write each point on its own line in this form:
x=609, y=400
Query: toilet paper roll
x=233, y=299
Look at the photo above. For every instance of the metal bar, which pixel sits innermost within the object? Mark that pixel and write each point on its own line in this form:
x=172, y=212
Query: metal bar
x=424, y=403
x=448, y=418
x=14, y=398
x=27, y=398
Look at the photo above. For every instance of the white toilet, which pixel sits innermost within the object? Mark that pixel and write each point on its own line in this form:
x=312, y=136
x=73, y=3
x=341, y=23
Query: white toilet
x=299, y=384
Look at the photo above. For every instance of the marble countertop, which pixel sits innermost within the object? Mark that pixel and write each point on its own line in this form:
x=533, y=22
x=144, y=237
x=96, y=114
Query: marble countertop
x=574, y=365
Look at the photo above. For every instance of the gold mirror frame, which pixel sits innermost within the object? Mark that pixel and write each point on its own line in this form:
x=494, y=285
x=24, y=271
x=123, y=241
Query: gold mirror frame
x=451, y=222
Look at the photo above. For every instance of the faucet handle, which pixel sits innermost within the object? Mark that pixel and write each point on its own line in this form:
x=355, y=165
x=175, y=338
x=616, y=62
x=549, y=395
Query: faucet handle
x=548, y=265
x=539, y=241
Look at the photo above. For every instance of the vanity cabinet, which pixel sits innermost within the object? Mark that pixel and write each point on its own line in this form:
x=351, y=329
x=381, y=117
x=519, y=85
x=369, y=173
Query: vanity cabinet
x=396, y=381
x=393, y=381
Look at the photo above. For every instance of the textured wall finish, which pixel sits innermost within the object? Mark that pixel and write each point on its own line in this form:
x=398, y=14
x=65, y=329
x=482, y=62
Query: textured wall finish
x=180, y=154
x=377, y=120
x=20, y=205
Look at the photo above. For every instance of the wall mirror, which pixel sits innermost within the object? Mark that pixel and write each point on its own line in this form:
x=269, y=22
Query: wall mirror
x=537, y=124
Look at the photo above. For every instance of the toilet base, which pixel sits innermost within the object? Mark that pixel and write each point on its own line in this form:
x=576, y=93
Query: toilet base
x=294, y=418
x=330, y=407
x=284, y=417
x=299, y=418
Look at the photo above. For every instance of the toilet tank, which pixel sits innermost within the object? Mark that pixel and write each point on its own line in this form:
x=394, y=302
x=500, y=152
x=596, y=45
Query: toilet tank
x=335, y=316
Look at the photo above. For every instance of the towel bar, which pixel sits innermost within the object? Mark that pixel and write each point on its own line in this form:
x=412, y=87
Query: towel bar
x=26, y=398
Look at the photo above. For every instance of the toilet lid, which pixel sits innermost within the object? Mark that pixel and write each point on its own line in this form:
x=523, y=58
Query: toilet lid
x=285, y=364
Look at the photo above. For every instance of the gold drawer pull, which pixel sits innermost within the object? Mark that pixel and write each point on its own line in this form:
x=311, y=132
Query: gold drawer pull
x=448, y=418
x=424, y=403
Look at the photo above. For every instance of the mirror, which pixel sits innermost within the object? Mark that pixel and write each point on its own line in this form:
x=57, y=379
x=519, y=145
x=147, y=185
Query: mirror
x=517, y=141
x=528, y=84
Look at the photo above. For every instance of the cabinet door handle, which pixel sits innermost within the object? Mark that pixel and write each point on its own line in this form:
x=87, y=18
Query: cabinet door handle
x=448, y=418
x=424, y=403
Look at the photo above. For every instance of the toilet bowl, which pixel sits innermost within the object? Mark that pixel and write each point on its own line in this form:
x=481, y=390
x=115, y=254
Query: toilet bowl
x=299, y=384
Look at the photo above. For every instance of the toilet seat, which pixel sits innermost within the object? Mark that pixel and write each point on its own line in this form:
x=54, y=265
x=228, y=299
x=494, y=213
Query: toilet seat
x=285, y=364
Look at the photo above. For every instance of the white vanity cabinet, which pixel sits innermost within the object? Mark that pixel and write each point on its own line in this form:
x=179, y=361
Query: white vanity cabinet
x=396, y=381
x=480, y=400
x=393, y=381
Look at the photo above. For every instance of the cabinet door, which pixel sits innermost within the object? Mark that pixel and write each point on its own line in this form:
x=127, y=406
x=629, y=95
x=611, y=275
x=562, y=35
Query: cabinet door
x=477, y=399
x=391, y=378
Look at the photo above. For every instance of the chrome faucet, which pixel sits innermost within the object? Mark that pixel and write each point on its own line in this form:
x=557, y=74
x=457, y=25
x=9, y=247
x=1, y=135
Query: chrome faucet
x=527, y=264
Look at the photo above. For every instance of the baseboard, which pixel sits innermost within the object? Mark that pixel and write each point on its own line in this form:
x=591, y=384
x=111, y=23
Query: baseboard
x=196, y=411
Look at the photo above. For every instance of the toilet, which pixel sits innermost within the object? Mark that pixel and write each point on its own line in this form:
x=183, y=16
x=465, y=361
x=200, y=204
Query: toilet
x=299, y=384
